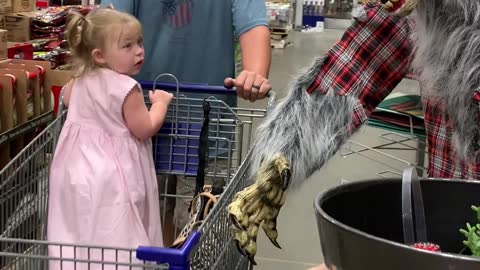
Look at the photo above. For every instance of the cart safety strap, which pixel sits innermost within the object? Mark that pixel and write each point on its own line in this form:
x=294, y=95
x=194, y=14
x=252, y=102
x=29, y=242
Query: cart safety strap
x=202, y=149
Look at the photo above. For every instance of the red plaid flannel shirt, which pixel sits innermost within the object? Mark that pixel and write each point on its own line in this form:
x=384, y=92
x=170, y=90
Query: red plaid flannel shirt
x=369, y=61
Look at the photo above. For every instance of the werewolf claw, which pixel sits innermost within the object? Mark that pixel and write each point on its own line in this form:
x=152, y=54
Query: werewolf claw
x=239, y=247
x=252, y=260
x=235, y=222
x=259, y=205
x=286, y=179
x=275, y=243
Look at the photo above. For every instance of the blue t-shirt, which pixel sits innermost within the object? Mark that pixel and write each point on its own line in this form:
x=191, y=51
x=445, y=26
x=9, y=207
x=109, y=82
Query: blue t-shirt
x=192, y=39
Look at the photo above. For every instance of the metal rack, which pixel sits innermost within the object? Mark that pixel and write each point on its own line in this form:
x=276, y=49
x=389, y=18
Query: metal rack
x=387, y=151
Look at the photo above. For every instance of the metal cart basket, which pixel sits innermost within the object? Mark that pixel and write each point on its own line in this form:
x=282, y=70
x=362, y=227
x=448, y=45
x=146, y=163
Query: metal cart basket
x=24, y=189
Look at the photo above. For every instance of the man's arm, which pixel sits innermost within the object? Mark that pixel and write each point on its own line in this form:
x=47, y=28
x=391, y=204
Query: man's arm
x=251, y=25
x=256, y=52
x=252, y=83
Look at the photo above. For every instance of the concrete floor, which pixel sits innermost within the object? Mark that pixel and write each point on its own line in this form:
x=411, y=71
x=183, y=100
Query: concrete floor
x=298, y=234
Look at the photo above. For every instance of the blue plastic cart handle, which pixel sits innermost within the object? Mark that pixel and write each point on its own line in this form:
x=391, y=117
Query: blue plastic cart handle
x=178, y=259
x=189, y=87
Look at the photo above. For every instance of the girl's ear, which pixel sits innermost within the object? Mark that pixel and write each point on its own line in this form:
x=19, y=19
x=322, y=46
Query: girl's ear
x=98, y=57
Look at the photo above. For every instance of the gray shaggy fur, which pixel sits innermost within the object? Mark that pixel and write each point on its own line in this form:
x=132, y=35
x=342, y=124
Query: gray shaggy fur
x=307, y=128
x=447, y=56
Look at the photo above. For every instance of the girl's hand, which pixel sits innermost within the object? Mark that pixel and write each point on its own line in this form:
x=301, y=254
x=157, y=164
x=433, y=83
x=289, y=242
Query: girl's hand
x=141, y=122
x=160, y=96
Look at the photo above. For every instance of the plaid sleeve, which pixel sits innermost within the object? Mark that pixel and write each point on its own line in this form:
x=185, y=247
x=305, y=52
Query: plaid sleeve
x=369, y=61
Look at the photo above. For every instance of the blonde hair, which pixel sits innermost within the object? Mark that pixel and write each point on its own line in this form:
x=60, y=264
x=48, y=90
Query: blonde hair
x=86, y=33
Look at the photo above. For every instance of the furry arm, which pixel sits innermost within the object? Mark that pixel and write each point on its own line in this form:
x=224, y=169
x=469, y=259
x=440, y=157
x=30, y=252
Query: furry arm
x=331, y=99
x=324, y=106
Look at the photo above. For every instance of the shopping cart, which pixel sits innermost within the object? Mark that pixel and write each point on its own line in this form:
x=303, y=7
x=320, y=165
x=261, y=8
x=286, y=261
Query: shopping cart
x=24, y=189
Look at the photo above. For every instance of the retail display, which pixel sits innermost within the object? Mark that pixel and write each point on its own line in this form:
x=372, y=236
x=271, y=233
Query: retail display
x=280, y=16
x=52, y=21
x=313, y=16
x=47, y=30
x=27, y=103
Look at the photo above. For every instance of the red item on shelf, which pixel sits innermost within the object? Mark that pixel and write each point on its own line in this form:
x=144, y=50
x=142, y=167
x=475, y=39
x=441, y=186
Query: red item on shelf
x=20, y=51
x=41, y=4
x=427, y=246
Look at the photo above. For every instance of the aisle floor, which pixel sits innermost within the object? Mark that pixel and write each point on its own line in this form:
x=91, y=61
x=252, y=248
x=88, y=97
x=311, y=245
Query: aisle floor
x=296, y=223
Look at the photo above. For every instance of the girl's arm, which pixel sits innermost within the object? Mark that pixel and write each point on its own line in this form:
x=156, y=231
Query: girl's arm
x=140, y=121
x=67, y=93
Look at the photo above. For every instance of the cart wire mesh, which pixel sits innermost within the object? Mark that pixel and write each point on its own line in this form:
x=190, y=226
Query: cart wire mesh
x=24, y=194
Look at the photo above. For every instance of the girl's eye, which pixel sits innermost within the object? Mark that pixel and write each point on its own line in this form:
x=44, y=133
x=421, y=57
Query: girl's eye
x=128, y=45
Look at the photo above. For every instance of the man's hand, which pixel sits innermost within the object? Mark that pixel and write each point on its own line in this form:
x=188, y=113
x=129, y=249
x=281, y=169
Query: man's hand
x=250, y=85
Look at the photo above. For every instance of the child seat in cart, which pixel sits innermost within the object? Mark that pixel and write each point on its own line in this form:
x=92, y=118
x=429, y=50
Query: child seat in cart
x=24, y=188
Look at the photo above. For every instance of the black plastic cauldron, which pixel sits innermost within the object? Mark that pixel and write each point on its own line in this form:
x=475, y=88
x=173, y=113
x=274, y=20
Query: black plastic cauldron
x=361, y=225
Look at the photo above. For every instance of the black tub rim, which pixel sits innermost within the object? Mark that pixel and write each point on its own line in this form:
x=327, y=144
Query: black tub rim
x=326, y=194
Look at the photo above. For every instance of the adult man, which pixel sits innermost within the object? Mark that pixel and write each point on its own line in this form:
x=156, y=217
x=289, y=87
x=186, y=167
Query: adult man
x=195, y=41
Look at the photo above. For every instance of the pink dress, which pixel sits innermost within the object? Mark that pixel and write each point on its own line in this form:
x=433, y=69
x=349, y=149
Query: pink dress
x=103, y=188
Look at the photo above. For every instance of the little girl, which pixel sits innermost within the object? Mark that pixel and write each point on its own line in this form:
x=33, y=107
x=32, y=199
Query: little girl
x=103, y=188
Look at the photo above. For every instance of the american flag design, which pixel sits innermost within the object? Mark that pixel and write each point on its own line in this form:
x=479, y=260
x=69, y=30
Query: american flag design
x=178, y=13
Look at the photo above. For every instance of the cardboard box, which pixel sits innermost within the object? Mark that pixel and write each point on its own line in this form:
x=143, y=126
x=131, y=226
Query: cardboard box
x=23, y=5
x=2, y=22
x=18, y=26
x=54, y=80
x=6, y=6
x=3, y=44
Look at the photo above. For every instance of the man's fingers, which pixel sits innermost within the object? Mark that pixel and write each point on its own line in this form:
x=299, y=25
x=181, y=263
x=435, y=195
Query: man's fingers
x=229, y=82
x=257, y=88
x=239, y=83
x=264, y=89
x=247, y=87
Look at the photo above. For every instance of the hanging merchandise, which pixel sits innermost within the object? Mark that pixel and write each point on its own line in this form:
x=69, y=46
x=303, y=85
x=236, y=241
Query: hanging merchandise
x=52, y=23
x=48, y=34
x=313, y=19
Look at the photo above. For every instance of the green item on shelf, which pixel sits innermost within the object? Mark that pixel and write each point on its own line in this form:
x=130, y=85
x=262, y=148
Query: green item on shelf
x=238, y=58
x=472, y=233
x=402, y=113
